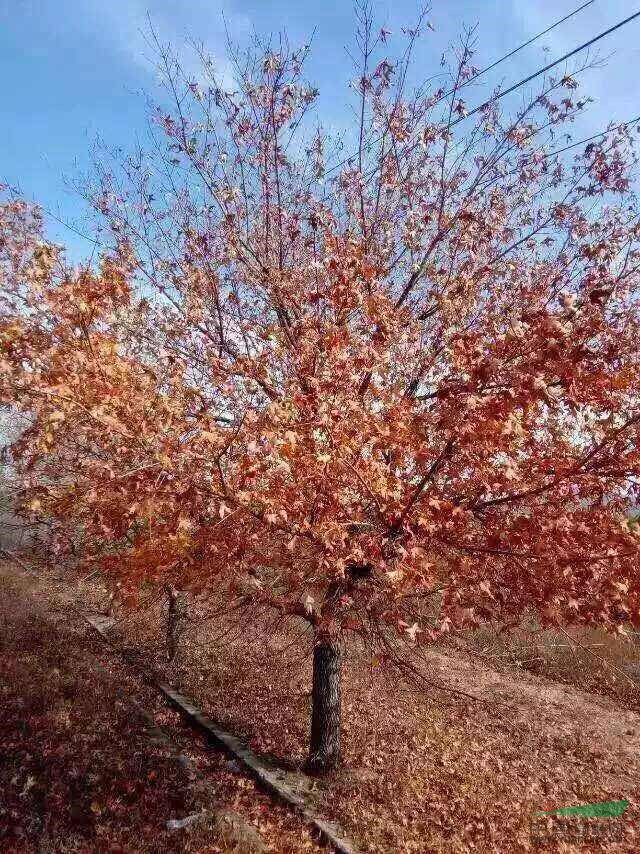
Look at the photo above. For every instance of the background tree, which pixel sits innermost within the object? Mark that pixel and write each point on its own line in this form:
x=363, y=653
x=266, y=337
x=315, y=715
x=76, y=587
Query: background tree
x=394, y=396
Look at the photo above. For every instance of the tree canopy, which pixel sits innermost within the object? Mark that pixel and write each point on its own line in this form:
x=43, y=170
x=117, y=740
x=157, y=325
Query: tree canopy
x=396, y=392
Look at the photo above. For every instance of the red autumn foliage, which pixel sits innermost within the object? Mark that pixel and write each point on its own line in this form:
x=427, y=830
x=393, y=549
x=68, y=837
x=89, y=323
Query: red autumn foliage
x=402, y=394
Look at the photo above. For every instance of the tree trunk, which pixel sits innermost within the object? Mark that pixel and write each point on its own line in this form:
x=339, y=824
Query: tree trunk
x=175, y=619
x=324, y=750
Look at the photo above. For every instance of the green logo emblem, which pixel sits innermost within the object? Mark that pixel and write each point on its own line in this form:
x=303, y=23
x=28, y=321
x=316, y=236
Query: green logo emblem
x=605, y=809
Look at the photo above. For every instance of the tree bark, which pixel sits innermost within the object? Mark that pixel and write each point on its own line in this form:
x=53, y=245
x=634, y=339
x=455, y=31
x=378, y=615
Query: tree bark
x=324, y=749
x=175, y=618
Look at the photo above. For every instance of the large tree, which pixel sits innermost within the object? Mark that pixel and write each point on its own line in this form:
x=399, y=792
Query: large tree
x=395, y=396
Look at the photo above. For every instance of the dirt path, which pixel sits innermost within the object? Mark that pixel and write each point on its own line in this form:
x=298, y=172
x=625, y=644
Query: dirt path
x=91, y=760
x=552, y=706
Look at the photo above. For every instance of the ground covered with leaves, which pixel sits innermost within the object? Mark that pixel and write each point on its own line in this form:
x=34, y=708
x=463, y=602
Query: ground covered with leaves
x=92, y=760
x=457, y=759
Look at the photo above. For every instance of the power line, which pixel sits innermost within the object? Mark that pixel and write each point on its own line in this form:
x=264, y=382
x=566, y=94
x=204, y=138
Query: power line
x=542, y=71
x=549, y=66
x=517, y=49
x=595, y=136
x=580, y=142
x=488, y=68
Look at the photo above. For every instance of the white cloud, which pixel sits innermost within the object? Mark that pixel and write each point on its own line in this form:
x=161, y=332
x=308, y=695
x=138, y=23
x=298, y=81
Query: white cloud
x=126, y=25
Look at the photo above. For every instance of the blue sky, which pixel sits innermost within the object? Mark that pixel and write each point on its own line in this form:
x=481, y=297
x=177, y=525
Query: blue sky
x=75, y=69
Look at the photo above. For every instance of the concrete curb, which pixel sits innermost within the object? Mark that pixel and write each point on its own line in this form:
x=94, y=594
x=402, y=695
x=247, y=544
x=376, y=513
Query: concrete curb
x=268, y=778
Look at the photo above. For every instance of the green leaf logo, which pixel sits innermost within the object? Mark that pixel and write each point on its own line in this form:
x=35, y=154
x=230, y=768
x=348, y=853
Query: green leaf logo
x=605, y=809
